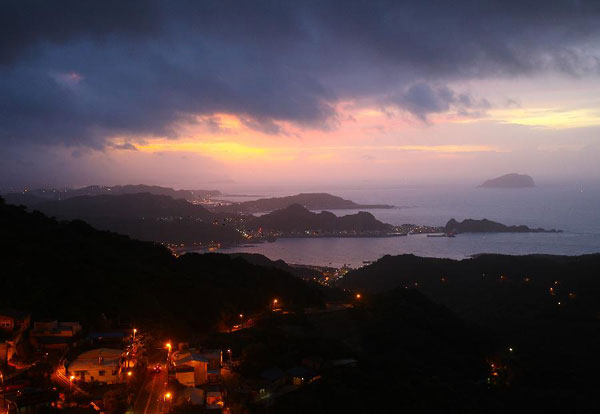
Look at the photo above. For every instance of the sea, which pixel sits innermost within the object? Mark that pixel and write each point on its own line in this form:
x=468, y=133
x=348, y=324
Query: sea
x=572, y=208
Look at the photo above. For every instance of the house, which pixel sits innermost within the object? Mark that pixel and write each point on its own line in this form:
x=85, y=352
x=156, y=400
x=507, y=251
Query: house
x=214, y=398
x=191, y=396
x=53, y=334
x=102, y=365
x=55, y=328
x=206, y=365
x=11, y=320
x=185, y=374
x=197, y=362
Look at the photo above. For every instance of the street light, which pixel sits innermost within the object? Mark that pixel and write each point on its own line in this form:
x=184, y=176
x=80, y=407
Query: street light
x=229, y=352
x=358, y=296
x=167, y=396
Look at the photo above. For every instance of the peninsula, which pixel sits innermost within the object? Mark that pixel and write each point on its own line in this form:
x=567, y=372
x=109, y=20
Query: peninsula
x=311, y=201
x=298, y=221
x=488, y=226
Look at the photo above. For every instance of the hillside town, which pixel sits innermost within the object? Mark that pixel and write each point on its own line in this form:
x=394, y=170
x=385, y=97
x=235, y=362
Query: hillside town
x=54, y=365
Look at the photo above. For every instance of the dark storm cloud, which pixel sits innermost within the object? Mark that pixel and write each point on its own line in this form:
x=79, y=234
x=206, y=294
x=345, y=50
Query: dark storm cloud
x=74, y=72
x=422, y=99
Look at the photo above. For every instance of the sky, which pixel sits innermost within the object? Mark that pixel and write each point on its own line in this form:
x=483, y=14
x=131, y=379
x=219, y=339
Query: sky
x=210, y=94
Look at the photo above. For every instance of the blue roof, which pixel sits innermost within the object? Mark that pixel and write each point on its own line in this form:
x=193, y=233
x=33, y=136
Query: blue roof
x=107, y=335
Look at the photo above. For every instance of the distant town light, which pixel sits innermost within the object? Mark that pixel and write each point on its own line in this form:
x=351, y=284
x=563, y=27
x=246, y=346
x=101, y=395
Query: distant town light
x=358, y=296
x=510, y=349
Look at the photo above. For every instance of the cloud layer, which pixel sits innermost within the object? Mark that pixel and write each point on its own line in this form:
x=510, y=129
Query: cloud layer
x=78, y=72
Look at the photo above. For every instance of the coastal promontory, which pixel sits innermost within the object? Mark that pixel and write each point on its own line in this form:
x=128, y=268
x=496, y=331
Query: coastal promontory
x=489, y=226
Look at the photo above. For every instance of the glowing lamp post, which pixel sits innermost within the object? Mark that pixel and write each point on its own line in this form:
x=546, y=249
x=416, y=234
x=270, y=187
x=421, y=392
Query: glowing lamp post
x=274, y=304
x=168, y=346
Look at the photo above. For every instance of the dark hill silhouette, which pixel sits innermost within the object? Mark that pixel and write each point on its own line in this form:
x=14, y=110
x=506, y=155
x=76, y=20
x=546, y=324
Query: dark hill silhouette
x=67, y=269
x=126, y=206
x=311, y=201
x=543, y=307
x=488, y=226
x=297, y=218
x=512, y=180
x=30, y=198
x=145, y=216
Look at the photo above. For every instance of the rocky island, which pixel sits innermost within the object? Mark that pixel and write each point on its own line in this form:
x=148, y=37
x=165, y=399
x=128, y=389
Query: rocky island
x=488, y=226
x=512, y=180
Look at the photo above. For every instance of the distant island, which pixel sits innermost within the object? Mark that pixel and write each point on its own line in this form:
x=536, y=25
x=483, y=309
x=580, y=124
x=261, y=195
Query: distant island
x=488, y=226
x=509, y=181
x=311, y=201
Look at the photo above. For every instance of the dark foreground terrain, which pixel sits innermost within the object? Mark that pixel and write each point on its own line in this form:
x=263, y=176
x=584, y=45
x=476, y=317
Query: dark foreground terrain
x=492, y=334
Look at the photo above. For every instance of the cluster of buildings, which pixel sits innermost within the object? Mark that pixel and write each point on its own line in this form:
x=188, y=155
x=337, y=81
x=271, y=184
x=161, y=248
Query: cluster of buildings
x=100, y=358
x=199, y=371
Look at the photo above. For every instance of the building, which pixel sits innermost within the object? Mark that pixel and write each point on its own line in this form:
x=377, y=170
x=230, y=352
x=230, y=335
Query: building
x=52, y=334
x=55, y=328
x=214, y=398
x=191, y=396
x=12, y=320
x=102, y=365
x=189, y=363
x=205, y=363
x=185, y=375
